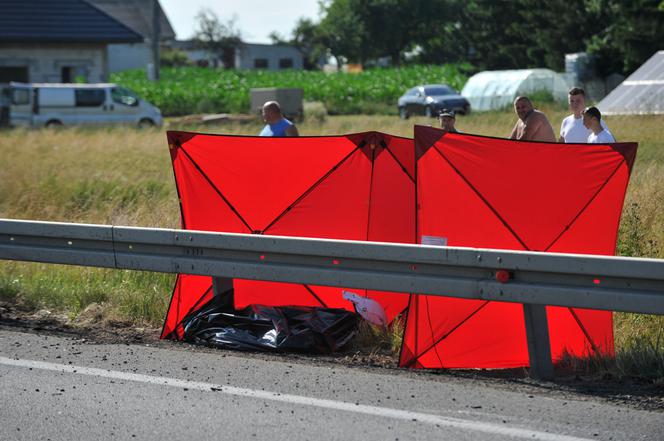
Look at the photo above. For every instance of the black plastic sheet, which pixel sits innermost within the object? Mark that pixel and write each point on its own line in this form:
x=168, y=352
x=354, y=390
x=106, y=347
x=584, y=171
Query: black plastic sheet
x=267, y=328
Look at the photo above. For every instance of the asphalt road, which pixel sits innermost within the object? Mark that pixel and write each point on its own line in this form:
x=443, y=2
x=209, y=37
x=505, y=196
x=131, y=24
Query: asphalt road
x=61, y=388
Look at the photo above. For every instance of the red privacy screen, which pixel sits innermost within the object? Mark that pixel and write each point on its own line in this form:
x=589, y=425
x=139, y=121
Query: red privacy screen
x=482, y=192
x=352, y=187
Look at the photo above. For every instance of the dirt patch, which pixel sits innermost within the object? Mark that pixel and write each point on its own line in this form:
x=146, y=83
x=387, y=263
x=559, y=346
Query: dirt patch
x=91, y=324
x=94, y=326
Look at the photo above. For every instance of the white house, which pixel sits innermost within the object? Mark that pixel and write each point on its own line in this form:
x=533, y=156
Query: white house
x=268, y=56
x=63, y=41
x=247, y=56
x=137, y=15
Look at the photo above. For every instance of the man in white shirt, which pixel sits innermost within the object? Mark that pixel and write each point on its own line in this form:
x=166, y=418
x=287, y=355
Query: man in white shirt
x=572, y=130
x=592, y=120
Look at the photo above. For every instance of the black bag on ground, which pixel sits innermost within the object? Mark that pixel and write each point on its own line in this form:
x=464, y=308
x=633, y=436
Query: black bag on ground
x=259, y=327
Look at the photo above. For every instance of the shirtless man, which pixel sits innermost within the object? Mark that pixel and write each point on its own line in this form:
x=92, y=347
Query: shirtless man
x=532, y=125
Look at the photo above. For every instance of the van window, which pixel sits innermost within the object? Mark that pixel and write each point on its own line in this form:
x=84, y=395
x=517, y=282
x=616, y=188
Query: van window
x=124, y=96
x=20, y=96
x=90, y=97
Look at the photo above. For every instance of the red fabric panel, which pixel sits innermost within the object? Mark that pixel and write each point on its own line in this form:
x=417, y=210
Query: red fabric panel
x=316, y=216
x=536, y=188
x=450, y=208
x=337, y=208
x=402, y=150
x=249, y=292
x=360, y=200
x=598, y=325
x=197, y=196
x=598, y=238
x=262, y=176
x=494, y=334
x=189, y=291
x=392, y=210
x=494, y=193
x=326, y=187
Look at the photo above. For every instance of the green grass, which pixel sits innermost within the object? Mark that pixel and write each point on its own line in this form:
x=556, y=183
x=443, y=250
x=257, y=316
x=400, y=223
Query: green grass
x=186, y=90
x=123, y=176
x=136, y=296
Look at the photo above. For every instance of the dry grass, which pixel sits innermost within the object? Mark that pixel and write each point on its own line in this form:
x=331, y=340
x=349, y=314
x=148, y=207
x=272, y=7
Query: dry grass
x=105, y=176
x=123, y=176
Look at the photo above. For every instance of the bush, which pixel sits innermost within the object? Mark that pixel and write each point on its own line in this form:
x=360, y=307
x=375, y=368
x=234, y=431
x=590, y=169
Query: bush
x=173, y=58
x=315, y=111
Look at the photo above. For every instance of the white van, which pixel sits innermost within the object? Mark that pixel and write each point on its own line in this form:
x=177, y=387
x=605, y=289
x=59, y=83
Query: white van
x=50, y=105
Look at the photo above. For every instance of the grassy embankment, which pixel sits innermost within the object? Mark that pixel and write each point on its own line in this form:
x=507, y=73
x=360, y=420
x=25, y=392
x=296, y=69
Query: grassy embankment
x=123, y=177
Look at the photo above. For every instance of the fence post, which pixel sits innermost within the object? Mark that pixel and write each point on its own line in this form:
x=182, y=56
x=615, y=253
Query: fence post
x=539, y=347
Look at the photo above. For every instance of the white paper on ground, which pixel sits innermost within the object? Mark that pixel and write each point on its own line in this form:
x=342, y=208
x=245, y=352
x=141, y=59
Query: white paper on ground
x=370, y=310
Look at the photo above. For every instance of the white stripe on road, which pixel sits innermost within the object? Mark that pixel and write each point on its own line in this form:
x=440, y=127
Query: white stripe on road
x=437, y=420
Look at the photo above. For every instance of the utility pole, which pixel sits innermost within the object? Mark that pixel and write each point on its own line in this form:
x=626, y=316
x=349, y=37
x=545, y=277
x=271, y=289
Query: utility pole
x=156, y=31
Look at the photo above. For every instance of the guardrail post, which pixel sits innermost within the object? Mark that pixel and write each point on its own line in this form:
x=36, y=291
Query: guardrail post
x=539, y=347
x=221, y=285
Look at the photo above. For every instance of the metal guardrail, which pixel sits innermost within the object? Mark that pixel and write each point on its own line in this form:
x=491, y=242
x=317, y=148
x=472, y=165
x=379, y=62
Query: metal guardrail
x=533, y=279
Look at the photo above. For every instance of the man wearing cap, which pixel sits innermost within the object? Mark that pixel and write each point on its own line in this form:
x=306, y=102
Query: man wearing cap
x=572, y=129
x=532, y=125
x=277, y=125
x=447, y=118
x=592, y=120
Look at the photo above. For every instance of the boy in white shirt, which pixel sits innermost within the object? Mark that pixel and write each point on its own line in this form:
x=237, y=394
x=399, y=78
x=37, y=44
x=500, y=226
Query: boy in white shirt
x=592, y=120
x=572, y=129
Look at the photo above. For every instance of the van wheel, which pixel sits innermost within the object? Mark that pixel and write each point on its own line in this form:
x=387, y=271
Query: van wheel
x=428, y=112
x=53, y=124
x=403, y=113
x=146, y=123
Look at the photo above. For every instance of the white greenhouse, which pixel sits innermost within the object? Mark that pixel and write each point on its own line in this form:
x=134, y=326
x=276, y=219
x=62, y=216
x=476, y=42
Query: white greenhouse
x=497, y=89
x=641, y=93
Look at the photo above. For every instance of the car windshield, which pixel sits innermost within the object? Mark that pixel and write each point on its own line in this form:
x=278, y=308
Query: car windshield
x=124, y=96
x=438, y=90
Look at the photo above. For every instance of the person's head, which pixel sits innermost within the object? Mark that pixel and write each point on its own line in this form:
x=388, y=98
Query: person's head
x=577, y=100
x=591, y=118
x=271, y=112
x=523, y=107
x=447, y=118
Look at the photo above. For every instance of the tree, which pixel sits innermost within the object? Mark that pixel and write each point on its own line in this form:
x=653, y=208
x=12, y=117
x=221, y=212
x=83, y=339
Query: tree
x=342, y=30
x=439, y=32
x=632, y=33
x=307, y=39
x=490, y=34
x=221, y=39
x=494, y=32
x=393, y=25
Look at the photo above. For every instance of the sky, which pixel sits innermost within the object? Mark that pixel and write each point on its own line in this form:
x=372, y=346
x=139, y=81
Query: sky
x=255, y=19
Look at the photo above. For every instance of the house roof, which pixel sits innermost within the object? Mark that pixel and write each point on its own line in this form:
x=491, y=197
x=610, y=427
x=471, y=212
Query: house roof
x=64, y=21
x=137, y=15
